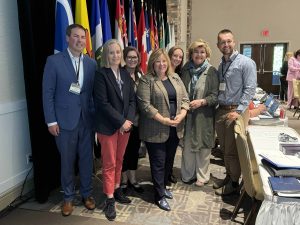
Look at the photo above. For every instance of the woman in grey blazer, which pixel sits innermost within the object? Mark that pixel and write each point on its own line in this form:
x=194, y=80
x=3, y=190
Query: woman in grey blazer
x=163, y=103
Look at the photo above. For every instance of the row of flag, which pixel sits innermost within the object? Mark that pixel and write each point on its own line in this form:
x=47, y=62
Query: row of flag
x=148, y=35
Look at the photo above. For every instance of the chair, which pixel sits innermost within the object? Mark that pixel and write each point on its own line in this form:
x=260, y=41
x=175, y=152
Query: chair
x=252, y=184
x=296, y=87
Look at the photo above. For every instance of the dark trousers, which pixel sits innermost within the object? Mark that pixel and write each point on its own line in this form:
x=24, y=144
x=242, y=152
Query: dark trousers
x=130, y=161
x=283, y=88
x=161, y=156
x=77, y=142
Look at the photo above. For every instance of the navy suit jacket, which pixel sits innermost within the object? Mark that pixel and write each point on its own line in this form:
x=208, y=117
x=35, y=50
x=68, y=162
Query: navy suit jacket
x=59, y=104
x=111, y=108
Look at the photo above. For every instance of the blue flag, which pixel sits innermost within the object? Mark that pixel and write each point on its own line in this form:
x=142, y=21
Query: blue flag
x=149, y=49
x=63, y=18
x=96, y=30
x=106, y=28
x=132, y=30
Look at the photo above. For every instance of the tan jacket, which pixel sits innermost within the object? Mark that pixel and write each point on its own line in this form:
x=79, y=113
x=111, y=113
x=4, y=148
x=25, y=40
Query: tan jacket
x=153, y=98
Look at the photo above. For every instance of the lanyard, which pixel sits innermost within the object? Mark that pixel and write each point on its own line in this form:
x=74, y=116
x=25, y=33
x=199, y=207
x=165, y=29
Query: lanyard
x=223, y=73
x=77, y=68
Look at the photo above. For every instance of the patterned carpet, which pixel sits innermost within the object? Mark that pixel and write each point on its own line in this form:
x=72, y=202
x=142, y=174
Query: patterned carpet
x=191, y=204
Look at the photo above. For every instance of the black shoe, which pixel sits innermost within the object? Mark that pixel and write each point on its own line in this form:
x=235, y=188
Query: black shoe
x=220, y=183
x=163, y=204
x=137, y=187
x=168, y=194
x=172, y=179
x=120, y=197
x=109, y=209
x=124, y=187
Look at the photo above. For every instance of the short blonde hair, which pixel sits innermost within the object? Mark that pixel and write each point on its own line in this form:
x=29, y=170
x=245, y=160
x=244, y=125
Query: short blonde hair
x=105, y=52
x=199, y=43
x=154, y=56
x=288, y=55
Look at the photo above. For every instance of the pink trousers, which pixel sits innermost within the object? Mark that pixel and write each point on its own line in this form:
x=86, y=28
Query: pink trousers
x=291, y=100
x=112, y=152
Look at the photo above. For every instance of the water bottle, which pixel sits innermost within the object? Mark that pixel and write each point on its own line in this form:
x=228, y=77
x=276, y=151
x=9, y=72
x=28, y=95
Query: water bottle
x=283, y=117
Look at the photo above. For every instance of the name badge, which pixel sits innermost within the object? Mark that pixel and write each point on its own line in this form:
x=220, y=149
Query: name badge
x=75, y=88
x=222, y=86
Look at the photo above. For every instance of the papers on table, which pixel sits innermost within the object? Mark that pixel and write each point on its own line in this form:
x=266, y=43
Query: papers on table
x=285, y=186
x=265, y=115
x=266, y=122
x=279, y=160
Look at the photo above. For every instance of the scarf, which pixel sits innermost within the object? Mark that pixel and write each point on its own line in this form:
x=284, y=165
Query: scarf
x=195, y=74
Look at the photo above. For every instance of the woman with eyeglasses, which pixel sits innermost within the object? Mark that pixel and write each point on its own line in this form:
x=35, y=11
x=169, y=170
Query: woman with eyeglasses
x=130, y=162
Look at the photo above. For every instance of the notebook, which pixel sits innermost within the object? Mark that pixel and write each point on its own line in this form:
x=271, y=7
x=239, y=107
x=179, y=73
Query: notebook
x=285, y=186
x=279, y=160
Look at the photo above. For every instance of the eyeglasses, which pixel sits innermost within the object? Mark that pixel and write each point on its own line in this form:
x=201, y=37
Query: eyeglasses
x=132, y=58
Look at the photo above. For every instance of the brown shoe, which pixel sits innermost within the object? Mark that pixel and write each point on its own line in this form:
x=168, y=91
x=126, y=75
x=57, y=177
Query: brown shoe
x=67, y=208
x=89, y=203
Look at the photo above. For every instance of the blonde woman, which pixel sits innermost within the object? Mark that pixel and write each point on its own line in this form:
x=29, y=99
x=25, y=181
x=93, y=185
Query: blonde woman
x=163, y=104
x=201, y=81
x=114, y=99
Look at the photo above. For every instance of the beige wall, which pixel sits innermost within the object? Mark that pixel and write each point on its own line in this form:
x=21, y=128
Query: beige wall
x=246, y=19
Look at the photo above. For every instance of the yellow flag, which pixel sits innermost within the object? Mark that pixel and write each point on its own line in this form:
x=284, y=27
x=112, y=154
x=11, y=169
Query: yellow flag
x=81, y=17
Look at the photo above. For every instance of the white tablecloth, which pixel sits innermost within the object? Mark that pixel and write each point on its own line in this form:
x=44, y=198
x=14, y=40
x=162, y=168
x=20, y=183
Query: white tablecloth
x=274, y=210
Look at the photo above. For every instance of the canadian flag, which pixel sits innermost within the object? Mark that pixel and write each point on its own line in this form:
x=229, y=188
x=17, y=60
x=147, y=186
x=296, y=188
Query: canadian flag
x=142, y=41
x=120, y=25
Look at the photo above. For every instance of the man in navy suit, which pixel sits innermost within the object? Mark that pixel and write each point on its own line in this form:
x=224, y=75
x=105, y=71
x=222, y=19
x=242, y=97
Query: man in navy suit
x=68, y=108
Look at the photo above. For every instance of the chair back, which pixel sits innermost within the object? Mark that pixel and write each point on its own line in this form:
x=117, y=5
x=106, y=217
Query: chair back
x=252, y=182
x=296, y=87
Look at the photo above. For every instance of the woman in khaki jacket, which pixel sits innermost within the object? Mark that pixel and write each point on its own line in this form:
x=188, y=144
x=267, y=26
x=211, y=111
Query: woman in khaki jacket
x=163, y=103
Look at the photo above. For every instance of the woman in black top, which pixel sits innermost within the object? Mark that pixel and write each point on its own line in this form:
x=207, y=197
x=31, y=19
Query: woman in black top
x=283, y=81
x=130, y=162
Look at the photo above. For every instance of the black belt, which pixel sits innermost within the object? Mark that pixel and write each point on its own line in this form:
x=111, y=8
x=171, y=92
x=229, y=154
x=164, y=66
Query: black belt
x=228, y=107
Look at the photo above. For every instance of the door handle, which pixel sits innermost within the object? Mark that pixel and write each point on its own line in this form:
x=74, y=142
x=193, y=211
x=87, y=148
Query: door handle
x=260, y=60
x=263, y=59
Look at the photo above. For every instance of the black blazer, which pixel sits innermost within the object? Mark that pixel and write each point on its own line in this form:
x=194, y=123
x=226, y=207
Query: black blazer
x=111, y=109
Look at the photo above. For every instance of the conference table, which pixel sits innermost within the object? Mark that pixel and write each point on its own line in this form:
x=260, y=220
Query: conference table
x=274, y=210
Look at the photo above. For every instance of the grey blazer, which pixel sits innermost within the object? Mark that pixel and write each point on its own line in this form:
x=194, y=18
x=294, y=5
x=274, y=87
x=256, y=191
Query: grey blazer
x=153, y=98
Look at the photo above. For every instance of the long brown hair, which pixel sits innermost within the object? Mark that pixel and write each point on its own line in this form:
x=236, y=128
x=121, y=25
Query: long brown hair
x=171, y=52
